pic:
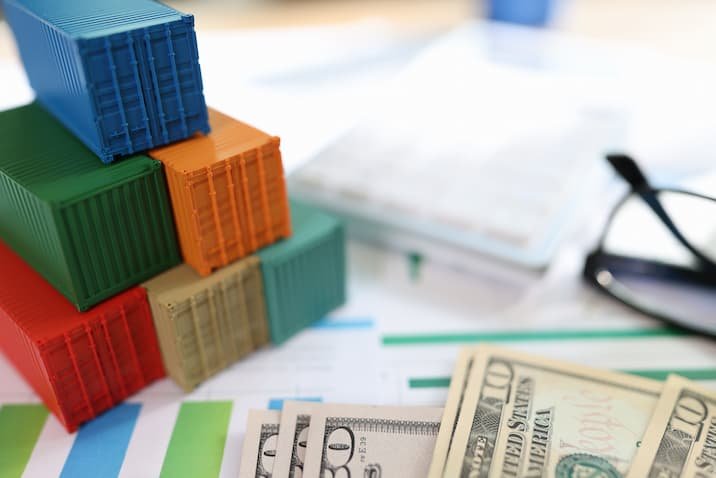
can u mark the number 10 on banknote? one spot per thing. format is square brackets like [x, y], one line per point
[523, 416]
[681, 438]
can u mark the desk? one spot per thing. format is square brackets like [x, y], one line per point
[396, 339]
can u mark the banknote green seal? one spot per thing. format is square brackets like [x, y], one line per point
[580, 465]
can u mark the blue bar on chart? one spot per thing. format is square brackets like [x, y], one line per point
[344, 324]
[101, 444]
[277, 403]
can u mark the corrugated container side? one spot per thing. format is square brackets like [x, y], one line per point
[76, 376]
[89, 229]
[115, 90]
[197, 330]
[211, 330]
[54, 68]
[252, 295]
[266, 200]
[168, 345]
[228, 192]
[79, 364]
[205, 324]
[169, 61]
[129, 331]
[24, 355]
[186, 220]
[146, 86]
[119, 89]
[109, 357]
[304, 279]
[232, 208]
[28, 226]
[234, 317]
[118, 237]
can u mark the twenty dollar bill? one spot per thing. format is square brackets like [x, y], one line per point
[524, 416]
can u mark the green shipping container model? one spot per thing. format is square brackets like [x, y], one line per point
[92, 230]
[304, 275]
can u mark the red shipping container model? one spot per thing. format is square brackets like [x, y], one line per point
[80, 364]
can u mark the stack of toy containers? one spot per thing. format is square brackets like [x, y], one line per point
[229, 198]
[228, 193]
[123, 76]
[206, 323]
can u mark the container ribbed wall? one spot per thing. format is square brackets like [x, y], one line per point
[91, 230]
[304, 276]
[122, 75]
[206, 324]
[228, 192]
[80, 364]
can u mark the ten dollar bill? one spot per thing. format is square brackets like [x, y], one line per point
[456, 394]
[293, 438]
[681, 437]
[367, 441]
[525, 416]
[260, 444]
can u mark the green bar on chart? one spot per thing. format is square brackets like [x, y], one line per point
[654, 374]
[20, 427]
[196, 447]
[429, 382]
[691, 374]
[532, 336]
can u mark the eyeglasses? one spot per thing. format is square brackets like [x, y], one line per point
[657, 254]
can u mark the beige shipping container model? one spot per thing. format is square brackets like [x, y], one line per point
[205, 324]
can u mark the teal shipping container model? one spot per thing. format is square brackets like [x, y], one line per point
[91, 230]
[122, 75]
[305, 275]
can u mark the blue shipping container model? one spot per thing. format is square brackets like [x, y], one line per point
[122, 75]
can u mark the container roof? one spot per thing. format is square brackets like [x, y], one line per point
[92, 18]
[38, 153]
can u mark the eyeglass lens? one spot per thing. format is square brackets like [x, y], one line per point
[636, 232]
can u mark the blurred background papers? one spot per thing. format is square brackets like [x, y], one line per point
[312, 82]
[309, 82]
[507, 87]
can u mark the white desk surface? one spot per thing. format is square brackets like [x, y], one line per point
[397, 336]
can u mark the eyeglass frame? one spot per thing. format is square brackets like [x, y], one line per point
[600, 261]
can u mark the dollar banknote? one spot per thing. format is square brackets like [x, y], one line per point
[371, 441]
[681, 438]
[293, 438]
[525, 416]
[456, 394]
[260, 442]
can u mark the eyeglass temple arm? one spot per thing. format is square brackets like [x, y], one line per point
[627, 168]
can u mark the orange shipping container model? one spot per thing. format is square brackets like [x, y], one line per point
[228, 192]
